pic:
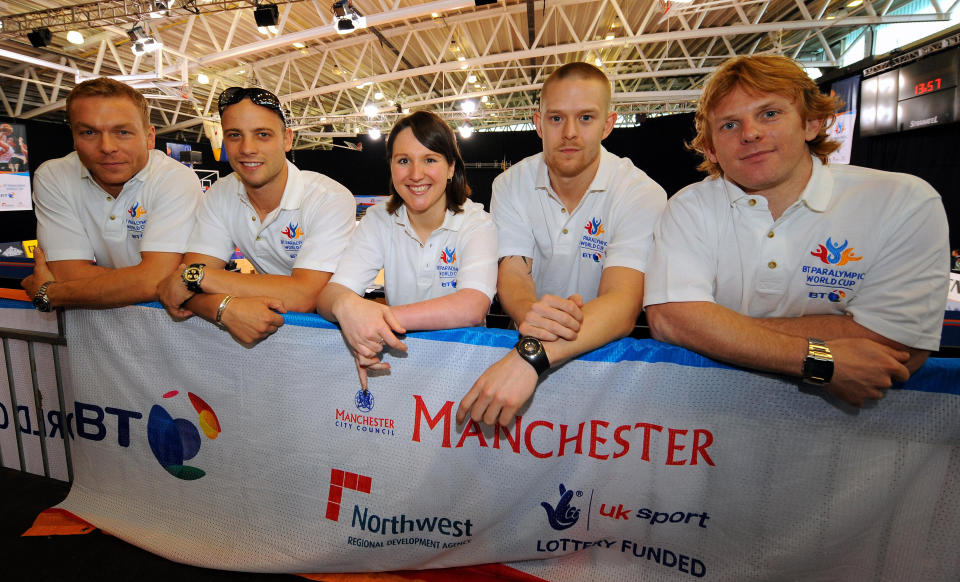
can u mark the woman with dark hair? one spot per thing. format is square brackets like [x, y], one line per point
[437, 249]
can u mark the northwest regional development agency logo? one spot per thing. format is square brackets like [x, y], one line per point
[835, 254]
[594, 227]
[292, 231]
[175, 440]
[136, 211]
[340, 480]
[448, 256]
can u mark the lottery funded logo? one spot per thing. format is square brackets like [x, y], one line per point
[592, 246]
[137, 220]
[447, 268]
[362, 421]
[292, 239]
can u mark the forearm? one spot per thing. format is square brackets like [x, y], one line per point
[465, 308]
[607, 318]
[515, 286]
[331, 297]
[110, 288]
[723, 334]
[205, 305]
[70, 270]
[296, 293]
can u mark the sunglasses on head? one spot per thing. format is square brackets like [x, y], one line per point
[261, 97]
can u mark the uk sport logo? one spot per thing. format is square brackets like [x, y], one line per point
[835, 254]
[177, 440]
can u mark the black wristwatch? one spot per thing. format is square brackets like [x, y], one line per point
[531, 350]
[192, 276]
[818, 365]
[41, 300]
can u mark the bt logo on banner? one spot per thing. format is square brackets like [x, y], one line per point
[174, 441]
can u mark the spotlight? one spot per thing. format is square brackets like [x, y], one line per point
[347, 17]
[40, 37]
[147, 45]
[468, 106]
[161, 8]
[371, 110]
[75, 37]
[137, 33]
[466, 130]
[203, 79]
[374, 133]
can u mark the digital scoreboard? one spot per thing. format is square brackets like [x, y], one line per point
[920, 94]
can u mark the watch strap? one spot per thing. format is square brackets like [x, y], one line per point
[531, 350]
[818, 365]
[41, 301]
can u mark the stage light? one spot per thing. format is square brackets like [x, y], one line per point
[468, 106]
[347, 18]
[266, 16]
[203, 79]
[374, 133]
[371, 110]
[466, 130]
[40, 37]
[74, 37]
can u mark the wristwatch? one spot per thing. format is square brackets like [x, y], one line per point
[531, 350]
[818, 365]
[192, 276]
[41, 300]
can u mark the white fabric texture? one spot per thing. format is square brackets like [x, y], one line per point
[862, 242]
[309, 229]
[78, 220]
[611, 227]
[461, 254]
[739, 476]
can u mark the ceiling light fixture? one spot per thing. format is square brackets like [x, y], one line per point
[374, 133]
[371, 110]
[40, 37]
[203, 79]
[468, 106]
[75, 37]
[142, 42]
[346, 17]
[267, 17]
[466, 130]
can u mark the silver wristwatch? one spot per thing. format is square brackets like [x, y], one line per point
[41, 300]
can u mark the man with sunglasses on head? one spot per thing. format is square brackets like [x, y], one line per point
[292, 225]
[114, 216]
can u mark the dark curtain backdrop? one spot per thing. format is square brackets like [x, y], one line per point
[656, 147]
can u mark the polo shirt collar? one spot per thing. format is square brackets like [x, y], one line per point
[451, 221]
[816, 195]
[600, 183]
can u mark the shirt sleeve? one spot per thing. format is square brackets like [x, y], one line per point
[329, 222]
[905, 295]
[358, 267]
[633, 224]
[683, 262]
[60, 231]
[175, 194]
[514, 233]
[211, 232]
[478, 255]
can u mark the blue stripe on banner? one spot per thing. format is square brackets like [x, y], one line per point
[933, 377]
[14, 304]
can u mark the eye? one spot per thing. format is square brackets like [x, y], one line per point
[556, 118]
[264, 134]
[586, 117]
[728, 126]
[400, 161]
[770, 114]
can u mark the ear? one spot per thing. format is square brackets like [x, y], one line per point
[811, 128]
[608, 124]
[287, 139]
[536, 123]
[712, 155]
[451, 170]
[151, 137]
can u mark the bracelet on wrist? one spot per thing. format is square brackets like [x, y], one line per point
[223, 306]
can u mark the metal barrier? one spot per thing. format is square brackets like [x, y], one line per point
[32, 338]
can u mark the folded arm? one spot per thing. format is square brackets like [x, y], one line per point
[863, 365]
[81, 284]
[506, 385]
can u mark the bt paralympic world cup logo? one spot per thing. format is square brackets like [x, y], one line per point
[835, 254]
[292, 231]
[175, 440]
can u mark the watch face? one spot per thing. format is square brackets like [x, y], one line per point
[192, 274]
[530, 346]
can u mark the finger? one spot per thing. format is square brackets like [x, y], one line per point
[491, 414]
[39, 256]
[901, 374]
[568, 306]
[577, 299]
[467, 403]
[392, 321]
[506, 417]
[560, 316]
[902, 356]
[391, 340]
[362, 373]
[551, 329]
[276, 305]
[276, 319]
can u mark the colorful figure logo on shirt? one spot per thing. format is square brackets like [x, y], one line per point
[174, 441]
[136, 211]
[835, 254]
[448, 256]
[292, 231]
[594, 227]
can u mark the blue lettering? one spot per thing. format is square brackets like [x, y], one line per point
[6, 418]
[123, 424]
[96, 421]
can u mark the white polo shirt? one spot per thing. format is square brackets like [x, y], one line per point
[307, 230]
[611, 227]
[78, 220]
[461, 254]
[862, 242]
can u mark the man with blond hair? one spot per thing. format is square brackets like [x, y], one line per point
[113, 217]
[781, 263]
[575, 225]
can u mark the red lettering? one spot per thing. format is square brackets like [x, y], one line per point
[469, 431]
[673, 446]
[528, 438]
[647, 427]
[595, 439]
[702, 449]
[578, 438]
[514, 442]
[624, 444]
[443, 415]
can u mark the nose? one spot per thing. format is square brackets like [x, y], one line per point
[570, 127]
[751, 131]
[108, 143]
[247, 144]
[416, 170]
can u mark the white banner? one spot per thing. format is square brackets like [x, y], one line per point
[650, 461]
